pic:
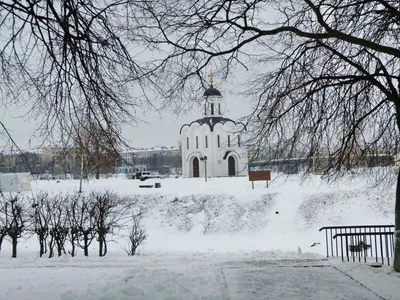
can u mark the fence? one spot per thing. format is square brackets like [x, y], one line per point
[357, 243]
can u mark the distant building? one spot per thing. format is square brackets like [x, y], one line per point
[165, 160]
[41, 162]
[213, 144]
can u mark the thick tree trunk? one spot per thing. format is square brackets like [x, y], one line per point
[396, 262]
[60, 247]
[73, 247]
[14, 240]
[86, 246]
[42, 245]
[1, 240]
[51, 247]
[97, 172]
[100, 246]
[397, 227]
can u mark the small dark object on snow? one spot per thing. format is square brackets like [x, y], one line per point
[277, 212]
[146, 186]
[315, 244]
[58, 181]
[360, 247]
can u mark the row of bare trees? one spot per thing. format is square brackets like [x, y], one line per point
[64, 223]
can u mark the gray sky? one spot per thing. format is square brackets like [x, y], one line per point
[165, 130]
[161, 128]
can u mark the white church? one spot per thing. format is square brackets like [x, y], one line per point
[212, 146]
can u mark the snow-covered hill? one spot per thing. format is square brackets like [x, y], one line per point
[226, 214]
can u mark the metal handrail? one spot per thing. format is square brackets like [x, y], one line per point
[356, 226]
[375, 241]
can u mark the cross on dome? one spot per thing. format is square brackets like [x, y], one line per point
[211, 79]
[212, 91]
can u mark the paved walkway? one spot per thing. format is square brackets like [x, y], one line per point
[172, 280]
[292, 281]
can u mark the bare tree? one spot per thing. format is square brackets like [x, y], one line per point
[325, 77]
[137, 234]
[15, 216]
[65, 57]
[97, 147]
[71, 212]
[84, 223]
[110, 212]
[40, 215]
[3, 228]
[58, 224]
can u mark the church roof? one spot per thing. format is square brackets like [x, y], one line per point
[212, 121]
[212, 91]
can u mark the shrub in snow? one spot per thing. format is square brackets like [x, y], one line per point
[324, 205]
[77, 218]
[49, 222]
[314, 206]
[13, 218]
[3, 231]
[71, 217]
[137, 234]
[255, 216]
[58, 225]
[110, 211]
[218, 213]
[382, 204]
[95, 217]
[81, 222]
[40, 214]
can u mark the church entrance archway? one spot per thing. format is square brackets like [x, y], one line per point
[196, 170]
[231, 166]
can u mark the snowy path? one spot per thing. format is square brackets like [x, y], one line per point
[170, 280]
[294, 282]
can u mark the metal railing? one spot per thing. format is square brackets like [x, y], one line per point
[357, 243]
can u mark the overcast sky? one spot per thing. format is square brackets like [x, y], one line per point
[161, 129]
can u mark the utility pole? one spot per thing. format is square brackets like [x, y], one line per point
[12, 157]
[81, 179]
[204, 158]
[205, 168]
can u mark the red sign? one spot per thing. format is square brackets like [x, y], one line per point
[259, 175]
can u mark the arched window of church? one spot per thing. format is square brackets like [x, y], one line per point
[219, 108]
[197, 142]
[212, 108]
[187, 143]
[206, 141]
[218, 141]
[229, 140]
[238, 140]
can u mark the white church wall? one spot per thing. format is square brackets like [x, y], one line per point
[217, 152]
[238, 153]
[217, 166]
[184, 135]
[198, 149]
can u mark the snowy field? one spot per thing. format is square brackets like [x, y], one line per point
[219, 239]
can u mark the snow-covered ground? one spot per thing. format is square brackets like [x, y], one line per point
[219, 239]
